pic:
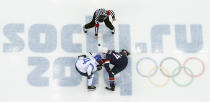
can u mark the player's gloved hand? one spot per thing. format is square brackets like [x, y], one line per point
[99, 67]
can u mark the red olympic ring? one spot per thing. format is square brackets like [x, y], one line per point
[195, 58]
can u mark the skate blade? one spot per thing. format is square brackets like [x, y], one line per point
[91, 90]
[107, 88]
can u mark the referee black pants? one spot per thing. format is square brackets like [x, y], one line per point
[106, 21]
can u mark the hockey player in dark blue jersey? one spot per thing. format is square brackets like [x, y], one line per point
[119, 60]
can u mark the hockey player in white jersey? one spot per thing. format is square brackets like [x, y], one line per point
[87, 66]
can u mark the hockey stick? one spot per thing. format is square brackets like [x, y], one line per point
[95, 71]
[90, 53]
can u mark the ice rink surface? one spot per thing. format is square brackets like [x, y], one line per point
[168, 40]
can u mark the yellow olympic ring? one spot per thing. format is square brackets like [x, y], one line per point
[155, 84]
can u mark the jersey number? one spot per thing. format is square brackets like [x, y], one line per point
[86, 60]
[117, 56]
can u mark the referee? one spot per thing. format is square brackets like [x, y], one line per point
[101, 15]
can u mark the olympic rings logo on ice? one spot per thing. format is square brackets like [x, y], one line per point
[175, 72]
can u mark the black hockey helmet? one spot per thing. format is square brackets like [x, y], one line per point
[101, 18]
[125, 52]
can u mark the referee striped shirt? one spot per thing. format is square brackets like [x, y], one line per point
[104, 13]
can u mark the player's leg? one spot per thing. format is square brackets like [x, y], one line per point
[89, 78]
[90, 81]
[111, 80]
[117, 69]
[89, 25]
[109, 25]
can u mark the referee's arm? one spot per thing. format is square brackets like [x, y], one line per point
[111, 12]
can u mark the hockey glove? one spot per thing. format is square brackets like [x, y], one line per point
[99, 67]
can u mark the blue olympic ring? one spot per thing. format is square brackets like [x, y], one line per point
[147, 58]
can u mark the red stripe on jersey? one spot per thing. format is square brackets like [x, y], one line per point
[111, 79]
[107, 61]
[97, 25]
[107, 12]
